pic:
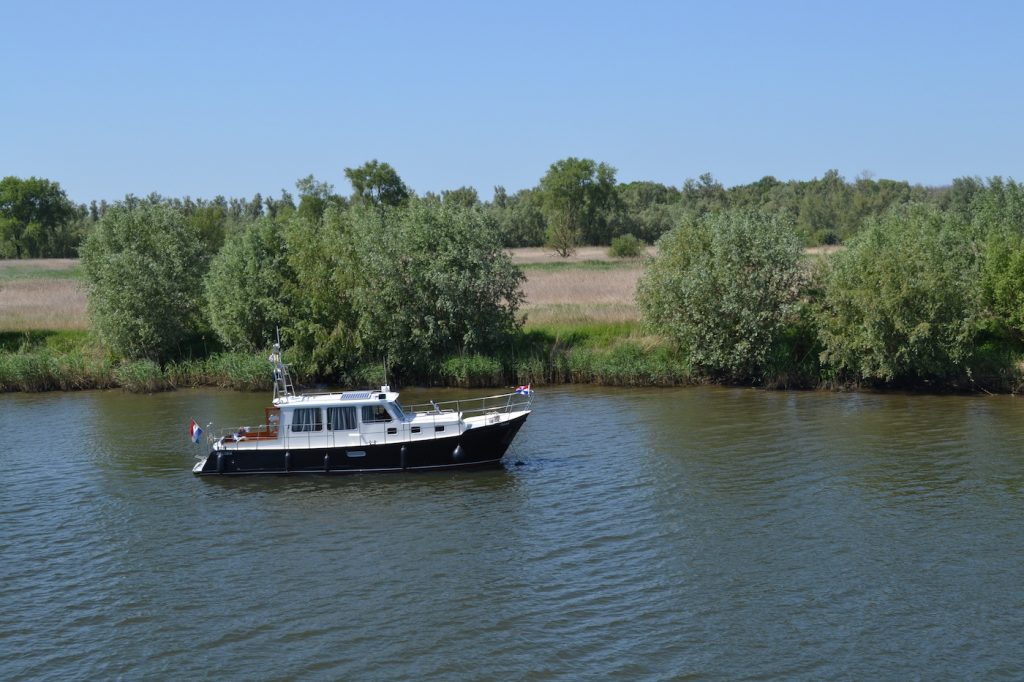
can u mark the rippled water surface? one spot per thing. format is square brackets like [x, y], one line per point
[698, 533]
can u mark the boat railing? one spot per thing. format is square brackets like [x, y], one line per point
[442, 413]
[243, 433]
[492, 404]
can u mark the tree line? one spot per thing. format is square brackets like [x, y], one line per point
[926, 294]
[926, 291]
[576, 202]
[380, 277]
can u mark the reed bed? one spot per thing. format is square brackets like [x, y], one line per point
[45, 369]
[42, 303]
[616, 286]
[576, 295]
[239, 371]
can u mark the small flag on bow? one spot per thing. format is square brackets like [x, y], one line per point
[194, 431]
[523, 390]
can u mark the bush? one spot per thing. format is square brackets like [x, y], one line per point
[144, 264]
[902, 301]
[626, 246]
[247, 288]
[724, 287]
[998, 213]
[322, 324]
[431, 281]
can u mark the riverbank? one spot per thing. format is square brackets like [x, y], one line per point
[600, 353]
[609, 353]
[582, 327]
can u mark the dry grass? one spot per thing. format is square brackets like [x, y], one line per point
[36, 294]
[581, 286]
[823, 250]
[581, 295]
[539, 254]
[39, 303]
[43, 294]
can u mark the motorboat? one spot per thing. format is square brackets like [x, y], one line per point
[365, 431]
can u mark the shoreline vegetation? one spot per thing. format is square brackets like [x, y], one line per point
[820, 284]
[598, 341]
[582, 327]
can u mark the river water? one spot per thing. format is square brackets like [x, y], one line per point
[698, 533]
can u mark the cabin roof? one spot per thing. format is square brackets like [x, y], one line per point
[343, 398]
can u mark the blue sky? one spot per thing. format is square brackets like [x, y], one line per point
[236, 98]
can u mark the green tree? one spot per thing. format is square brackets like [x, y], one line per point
[433, 281]
[645, 209]
[519, 217]
[210, 220]
[37, 220]
[377, 184]
[144, 265]
[997, 211]
[578, 196]
[704, 195]
[314, 197]
[248, 286]
[724, 287]
[958, 197]
[902, 301]
[322, 323]
[280, 209]
[466, 197]
[825, 215]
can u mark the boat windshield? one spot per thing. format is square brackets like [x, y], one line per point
[397, 411]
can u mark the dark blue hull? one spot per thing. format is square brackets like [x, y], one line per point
[479, 447]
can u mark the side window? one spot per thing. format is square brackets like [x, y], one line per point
[341, 418]
[307, 419]
[375, 414]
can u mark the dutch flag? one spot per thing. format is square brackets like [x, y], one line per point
[194, 432]
[523, 390]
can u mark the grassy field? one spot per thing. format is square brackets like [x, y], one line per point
[41, 294]
[588, 287]
[582, 327]
[538, 255]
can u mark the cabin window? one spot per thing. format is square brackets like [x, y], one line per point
[375, 414]
[307, 419]
[341, 418]
[397, 411]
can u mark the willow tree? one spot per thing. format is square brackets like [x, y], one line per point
[577, 197]
[378, 184]
[248, 287]
[903, 300]
[725, 286]
[37, 220]
[144, 264]
[431, 281]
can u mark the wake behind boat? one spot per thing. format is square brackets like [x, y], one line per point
[367, 431]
